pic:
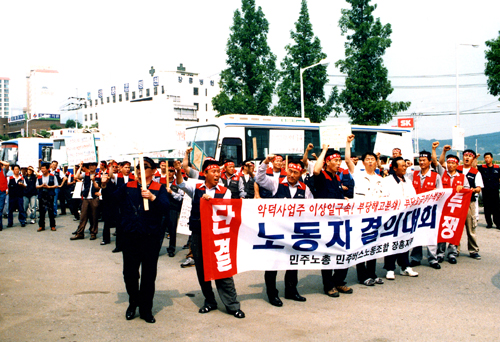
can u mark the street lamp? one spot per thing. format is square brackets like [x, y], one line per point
[456, 77]
[322, 62]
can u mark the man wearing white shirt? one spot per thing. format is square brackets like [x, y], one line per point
[398, 185]
[286, 187]
[367, 186]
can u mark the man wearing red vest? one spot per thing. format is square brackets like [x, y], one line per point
[210, 188]
[451, 178]
[423, 181]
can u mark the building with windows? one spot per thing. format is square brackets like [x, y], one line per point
[4, 97]
[191, 94]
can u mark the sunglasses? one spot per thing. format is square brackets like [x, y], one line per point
[138, 167]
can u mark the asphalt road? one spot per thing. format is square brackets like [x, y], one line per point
[54, 289]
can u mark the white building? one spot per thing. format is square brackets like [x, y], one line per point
[43, 93]
[4, 97]
[191, 95]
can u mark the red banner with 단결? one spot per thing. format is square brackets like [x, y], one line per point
[282, 234]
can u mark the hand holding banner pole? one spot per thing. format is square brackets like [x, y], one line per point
[143, 181]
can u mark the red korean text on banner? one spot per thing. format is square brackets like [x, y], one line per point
[453, 217]
[220, 224]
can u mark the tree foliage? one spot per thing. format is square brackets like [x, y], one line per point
[247, 85]
[364, 98]
[54, 126]
[305, 51]
[71, 124]
[492, 70]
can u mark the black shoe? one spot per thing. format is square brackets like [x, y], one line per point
[440, 259]
[185, 247]
[414, 263]
[276, 301]
[207, 308]
[475, 256]
[435, 266]
[75, 232]
[452, 261]
[116, 250]
[104, 243]
[489, 226]
[238, 313]
[76, 219]
[296, 297]
[77, 237]
[23, 224]
[149, 318]
[130, 313]
[171, 254]
[93, 237]
[9, 226]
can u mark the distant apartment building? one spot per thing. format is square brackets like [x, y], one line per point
[191, 94]
[4, 97]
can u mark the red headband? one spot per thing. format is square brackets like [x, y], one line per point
[470, 153]
[295, 167]
[396, 149]
[211, 166]
[278, 158]
[229, 164]
[171, 168]
[449, 160]
[335, 155]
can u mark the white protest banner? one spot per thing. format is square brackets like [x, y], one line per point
[335, 136]
[183, 223]
[285, 141]
[145, 126]
[283, 234]
[385, 143]
[458, 139]
[79, 148]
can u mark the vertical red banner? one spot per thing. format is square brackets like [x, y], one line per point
[453, 217]
[220, 224]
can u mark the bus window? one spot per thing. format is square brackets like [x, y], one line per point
[205, 137]
[259, 136]
[232, 149]
[9, 153]
[58, 144]
[312, 137]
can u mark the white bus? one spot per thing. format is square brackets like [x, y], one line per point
[241, 137]
[27, 151]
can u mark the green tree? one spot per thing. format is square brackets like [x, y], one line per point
[247, 85]
[305, 51]
[54, 126]
[71, 124]
[492, 70]
[364, 98]
[44, 133]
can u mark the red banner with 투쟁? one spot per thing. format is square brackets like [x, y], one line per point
[282, 234]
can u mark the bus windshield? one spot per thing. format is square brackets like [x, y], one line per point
[205, 137]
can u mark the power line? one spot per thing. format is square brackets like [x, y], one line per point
[425, 76]
[477, 85]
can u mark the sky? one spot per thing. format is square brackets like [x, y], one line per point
[98, 42]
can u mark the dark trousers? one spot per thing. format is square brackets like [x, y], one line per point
[89, 212]
[291, 281]
[172, 219]
[401, 258]
[366, 270]
[46, 205]
[16, 203]
[141, 252]
[491, 201]
[225, 287]
[332, 278]
[76, 204]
